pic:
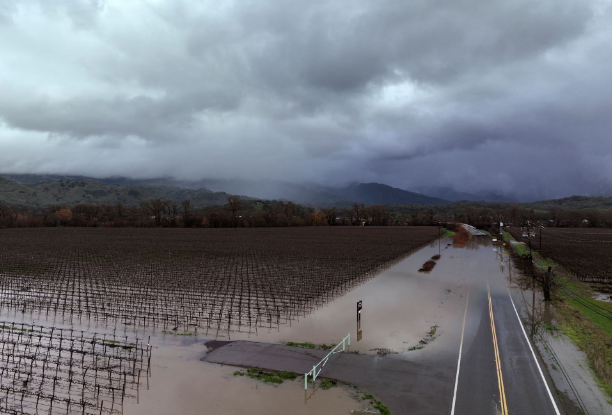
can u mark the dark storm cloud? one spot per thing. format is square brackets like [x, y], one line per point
[411, 93]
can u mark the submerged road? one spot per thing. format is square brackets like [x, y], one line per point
[482, 364]
[498, 371]
[405, 387]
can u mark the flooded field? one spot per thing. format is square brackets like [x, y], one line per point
[400, 307]
[102, 298]
[406, 314]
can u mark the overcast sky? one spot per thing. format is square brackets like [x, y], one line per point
[507, 96]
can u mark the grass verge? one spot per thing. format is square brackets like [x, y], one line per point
[274, 377]
[591, 334]
[447, 233]
[382, 408]
[308, 345]
[267, 376]
[588, 330]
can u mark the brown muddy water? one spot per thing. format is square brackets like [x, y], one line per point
[181, 384]
[400, 307]
[406, 314]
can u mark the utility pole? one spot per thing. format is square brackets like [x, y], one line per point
[532, 282]
[509, 267]
[541, 230]
[439, 235]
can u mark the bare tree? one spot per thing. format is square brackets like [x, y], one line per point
[173, 210]
[547, 281]
[234, 204]
[357, 213]
[156, 207]
[6, 216]
[380, 214]
[187, 214]
[119, 210]
[331, 214]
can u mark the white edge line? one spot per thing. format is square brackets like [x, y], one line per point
[534, 356]
[460, 348]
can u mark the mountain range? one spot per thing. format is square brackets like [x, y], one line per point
[46, 190]
[72, 191]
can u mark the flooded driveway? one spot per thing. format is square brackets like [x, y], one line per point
[181, 384]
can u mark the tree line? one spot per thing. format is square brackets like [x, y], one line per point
[239, 212]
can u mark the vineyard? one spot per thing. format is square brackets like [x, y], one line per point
[54, 370]
[583, 251]
[208, 282]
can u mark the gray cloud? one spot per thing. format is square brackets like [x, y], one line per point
[508, 96]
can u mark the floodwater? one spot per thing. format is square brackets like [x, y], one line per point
[603, 297]
[182, 384]
[412, 315]
[400, 307]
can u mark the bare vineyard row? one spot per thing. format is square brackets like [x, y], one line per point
[214, 280]
[54, 370]
[585, 252]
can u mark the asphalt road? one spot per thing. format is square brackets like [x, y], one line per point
[491, 370]
[499, 372]
[405, 387]
[522, 388]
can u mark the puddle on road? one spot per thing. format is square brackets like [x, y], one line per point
[181, 384]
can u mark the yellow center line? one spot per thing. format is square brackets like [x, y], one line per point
[500, 378]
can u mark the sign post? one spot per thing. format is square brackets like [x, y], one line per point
[359, 332]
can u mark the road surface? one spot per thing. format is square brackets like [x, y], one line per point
[500, 373]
